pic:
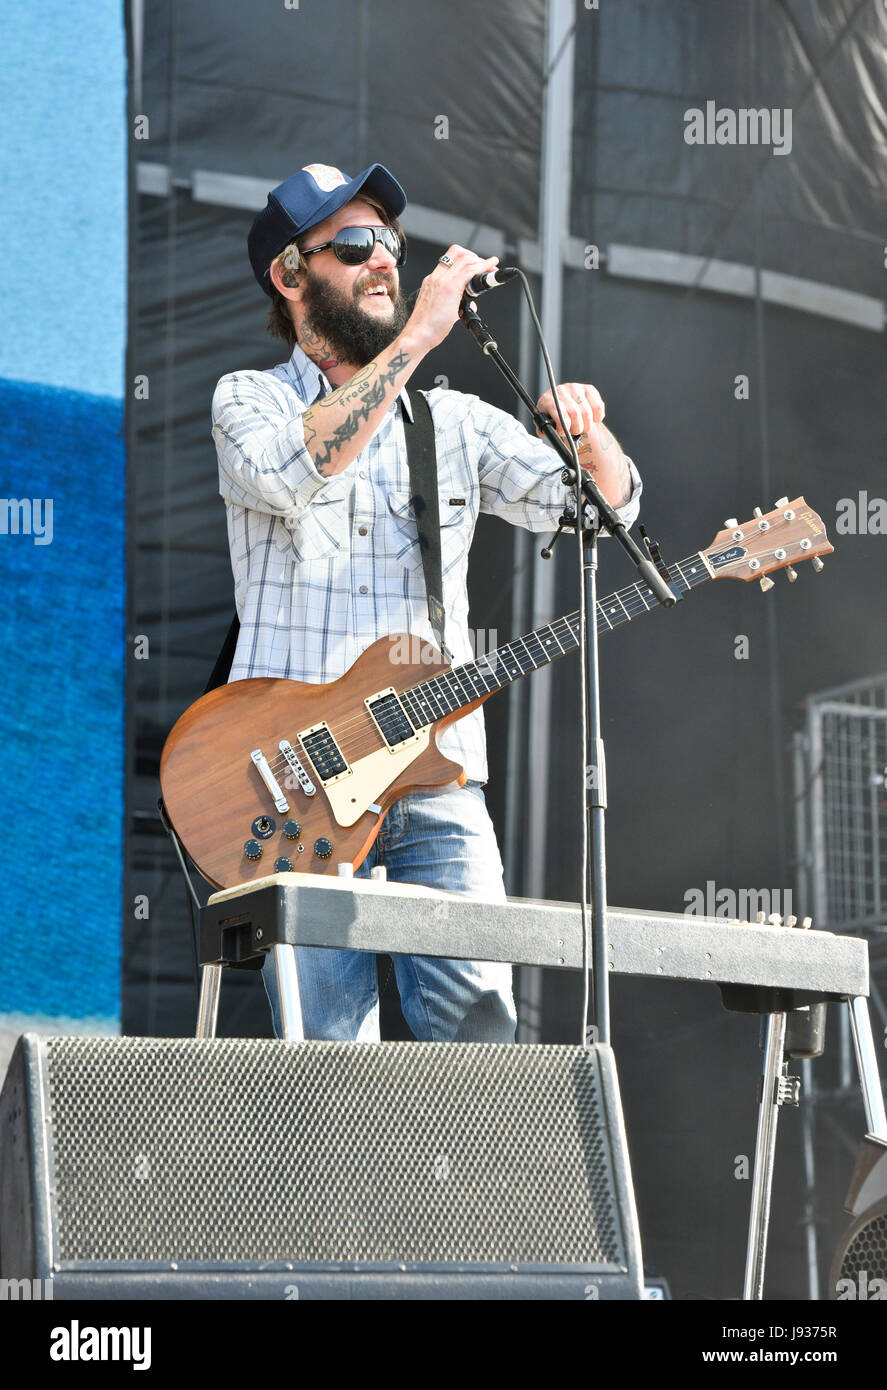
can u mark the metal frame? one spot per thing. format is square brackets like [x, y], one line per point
[653, 264]
[287, 975]
[838, 836]
[765, 1154]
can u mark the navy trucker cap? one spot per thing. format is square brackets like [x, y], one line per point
[309, 197]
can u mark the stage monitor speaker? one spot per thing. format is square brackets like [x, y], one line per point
[859, 1269]
[241, 1168]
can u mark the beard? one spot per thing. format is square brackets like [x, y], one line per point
[336, 323]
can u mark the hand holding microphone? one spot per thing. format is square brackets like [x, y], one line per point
[489, 280]
[440, 300]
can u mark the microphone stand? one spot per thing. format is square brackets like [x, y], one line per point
[602, 514]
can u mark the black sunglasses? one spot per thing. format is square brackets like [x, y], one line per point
[354, 245]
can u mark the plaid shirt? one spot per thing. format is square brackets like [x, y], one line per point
[325, 566]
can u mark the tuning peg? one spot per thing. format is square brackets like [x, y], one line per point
[782, 502]
[731, 523]
[791, 921]
[766, 584]
[807, 923]
[758, 512]
[791, 574]
[762, 918]
[817, 564]
[775, 919]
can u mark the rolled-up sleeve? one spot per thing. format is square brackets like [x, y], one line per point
[520, 474]
[260, 443]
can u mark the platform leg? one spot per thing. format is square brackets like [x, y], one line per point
[208, 1008]
[290, 1002]
[765, 1150]
[867, 1063]
[810, 1212]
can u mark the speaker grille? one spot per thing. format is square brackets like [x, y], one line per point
[866, 1250]
[187, 1150]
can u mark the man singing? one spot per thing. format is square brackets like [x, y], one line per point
[325, 552]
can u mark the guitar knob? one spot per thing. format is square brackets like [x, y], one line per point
[283, 865]
[252, 849]
[817, 564]
[766, 584]
[323, 847]
[791, 575]
[292, 829]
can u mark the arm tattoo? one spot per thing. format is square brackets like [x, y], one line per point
[351, 387]
[368, 395]
[395, 367]
[606, 441]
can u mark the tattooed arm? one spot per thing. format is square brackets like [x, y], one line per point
[276, 457]
[340, 425]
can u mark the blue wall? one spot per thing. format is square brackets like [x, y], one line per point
[63, 174]
[62, 622]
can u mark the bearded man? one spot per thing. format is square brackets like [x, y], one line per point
[325, 550]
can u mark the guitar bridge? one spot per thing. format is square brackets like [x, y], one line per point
[296, 767]
[390, 718]
[264, 770]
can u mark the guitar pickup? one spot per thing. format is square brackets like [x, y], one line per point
[324, 753]
[389, 717]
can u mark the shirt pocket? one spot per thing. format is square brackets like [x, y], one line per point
[316, 533]
[458, 514]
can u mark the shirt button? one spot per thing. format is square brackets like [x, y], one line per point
[364, 589]
[362, 531]
[362, 473]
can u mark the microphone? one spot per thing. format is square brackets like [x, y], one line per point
[490, 280]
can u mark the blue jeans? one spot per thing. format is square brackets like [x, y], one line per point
[442, 840]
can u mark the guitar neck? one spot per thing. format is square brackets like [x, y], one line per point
[462, 685]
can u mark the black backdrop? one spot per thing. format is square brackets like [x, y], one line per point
[697, 740]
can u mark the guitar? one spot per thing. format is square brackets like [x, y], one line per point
[266, 775]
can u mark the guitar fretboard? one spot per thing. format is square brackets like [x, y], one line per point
[462, 685]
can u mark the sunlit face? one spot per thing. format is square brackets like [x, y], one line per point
[374, 284]
[355, 310]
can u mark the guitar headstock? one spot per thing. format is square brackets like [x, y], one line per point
[775, 540]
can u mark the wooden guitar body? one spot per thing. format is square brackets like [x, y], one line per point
[219, 803]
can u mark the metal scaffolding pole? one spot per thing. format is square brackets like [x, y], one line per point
[554, 212]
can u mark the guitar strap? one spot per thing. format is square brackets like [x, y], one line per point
[422, 463]
[225, 659]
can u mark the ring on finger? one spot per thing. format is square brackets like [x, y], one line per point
[445, 260]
